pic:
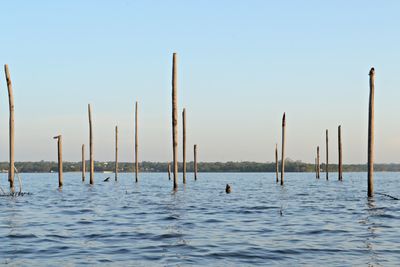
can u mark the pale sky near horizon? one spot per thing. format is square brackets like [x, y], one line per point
[241, 65]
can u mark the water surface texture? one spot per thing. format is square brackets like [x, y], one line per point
[306, 222]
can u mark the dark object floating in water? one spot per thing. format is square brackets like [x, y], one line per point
[107, 179]
[228, 188]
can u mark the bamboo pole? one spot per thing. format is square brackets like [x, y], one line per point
[116, 153]
[184, 144]
[340, 167]
[318, 165]
[371, 133]
[11, 128]
[276, 163]
[175, 119]
[60, 163]
[136, 143]
[283, 147]
[195, 161]
[91, 164]
[327, 157]
[169, 171]
[83, 163]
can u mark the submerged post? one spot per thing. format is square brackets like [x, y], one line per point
[83, 163]
[169, 171]
[327, 158]
[371, 133]
[195, 162]
[184, 144]
[11, 128]
[340, 168]
[91, 163]
[318, 165]
[175, 119]
[136, 144]
[283, 147]
[60, 166]
[116, 153]
[276, 163]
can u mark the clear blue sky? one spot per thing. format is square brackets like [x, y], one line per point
[241, 65]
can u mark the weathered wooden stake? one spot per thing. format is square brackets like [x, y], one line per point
[169, 171]
[318, 165]
[283, 147]
[184, 144]
[340, 168]
[371, 133]
[175, 119]
[327, 158]
[195, 161]
[83, 163]
[136, 144]
[315, 167]
[60, 164]
[276, 163]
[11, 128]
[116, 153]
[91, 163]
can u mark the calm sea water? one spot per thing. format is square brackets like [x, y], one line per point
[307, 222]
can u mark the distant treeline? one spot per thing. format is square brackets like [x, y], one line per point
[290, 166]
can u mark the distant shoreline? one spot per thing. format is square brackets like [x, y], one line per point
[256, 167]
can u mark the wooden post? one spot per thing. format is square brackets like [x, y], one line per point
[136, 144]
[11, 128]
[91, 164]
[60, 165]
[116, 153]
[315, 167]
[327, 158]
[175, 119]
[195, 161]
[169, 171]
[276, 163]
[283, 147]
[318, 165]
[340, 168]
[371, 133]
[83, 163]
[184, 144]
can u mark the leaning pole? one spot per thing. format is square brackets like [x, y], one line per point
[371, 133]
[11, 128]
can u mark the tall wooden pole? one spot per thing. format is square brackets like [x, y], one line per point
[318, 165]
[91, 164]
[184, 144]
[340, 168]
[11, 128]
[175, 119]
[276, 163]
[116, 153]
[83, 163]
[136, 144]
[371, 133]
[327, 157]
[283, 147]
[169, 171]
[60, 164]
[195, 161]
